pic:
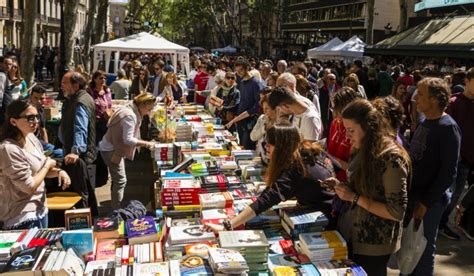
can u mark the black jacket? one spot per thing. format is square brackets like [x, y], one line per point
[67, 124]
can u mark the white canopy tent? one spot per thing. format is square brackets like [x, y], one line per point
[313, 53]
[351, 49]
[141, 43]
[226, 50]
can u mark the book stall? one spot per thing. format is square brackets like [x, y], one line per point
[202, 176]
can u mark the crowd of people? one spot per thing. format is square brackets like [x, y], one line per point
[372, 146]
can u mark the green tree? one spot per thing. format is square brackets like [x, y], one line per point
[262, 14]
[28, 42]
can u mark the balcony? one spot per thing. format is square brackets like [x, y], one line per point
[17, 14]
[54, 21]
[4, 12]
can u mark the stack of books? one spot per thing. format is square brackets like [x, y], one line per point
[214, 183]
[243, 154]
[163, 154]
[216, 200]
[252, 244]
[180, 192]
[184, 132]
[182, 236]
[339, 268]
[227, 261]
[195, 265]
[141, 230]
[297, 220]
[323, 246]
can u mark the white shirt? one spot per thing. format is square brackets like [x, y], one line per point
[309, 124]
[128, 125]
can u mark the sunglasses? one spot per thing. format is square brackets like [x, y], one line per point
[230, 78]
[31, 118]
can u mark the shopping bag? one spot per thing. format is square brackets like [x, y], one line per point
[412, 247]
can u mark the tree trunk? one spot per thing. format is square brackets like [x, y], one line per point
[369, 36]
[91, 13]
[70, 20]
[403, 15]
[101, 21]
[28, 42]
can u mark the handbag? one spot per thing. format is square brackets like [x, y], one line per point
[413, 245]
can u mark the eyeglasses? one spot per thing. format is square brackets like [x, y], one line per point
[31, 118]
[230, 78]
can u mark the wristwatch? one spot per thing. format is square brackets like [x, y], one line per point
[227, 225]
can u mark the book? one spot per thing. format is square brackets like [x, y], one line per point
[106, 228]
[189, 234]
[194, 265]
[97, 265]
[300, 218]
[244, 239]
[7, 240]
[78, 218]
[24, 260]
[216, 200]
[152, 269]
[322, 240]
[80, 240]
[200, 248]
[185, 222]
[141, 230]
[227, 261]
[305, 269]
[105, 250]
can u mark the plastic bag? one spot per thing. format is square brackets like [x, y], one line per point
[412, 247]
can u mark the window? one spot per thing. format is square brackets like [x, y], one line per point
[117, 20]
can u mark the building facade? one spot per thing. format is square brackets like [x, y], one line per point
[48, 21]
[308, 24]
[117, 13]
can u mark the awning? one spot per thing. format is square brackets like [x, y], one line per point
[447, 37]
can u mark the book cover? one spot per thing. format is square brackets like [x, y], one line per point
[200, 248]
[78, 218]
[227, 261]
[185, 222]
[303, 217]
[243, 239]
[80, 240]
[140, 227]
[7, 240]
[24, 260]
[188, 234]
[322, 240]
[217, 213]
[216, 200]
[104, 224]
[152, 269]
[105, 250]
[194, 265]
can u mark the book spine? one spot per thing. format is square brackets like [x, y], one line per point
[125, 254]
[181, 190]
[118, 256]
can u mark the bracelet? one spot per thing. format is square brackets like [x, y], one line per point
[354, 201]
[227, 225]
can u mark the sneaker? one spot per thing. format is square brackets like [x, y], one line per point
[450, 234]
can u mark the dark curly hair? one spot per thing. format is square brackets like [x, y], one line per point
[392, 110]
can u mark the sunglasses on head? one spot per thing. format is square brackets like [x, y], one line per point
[31, 118]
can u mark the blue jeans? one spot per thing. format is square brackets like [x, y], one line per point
[425, 266]
[244, 135]
[456, 189]
[40, 223]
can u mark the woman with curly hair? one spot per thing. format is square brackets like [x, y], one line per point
[392, 111]
[375, 194]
